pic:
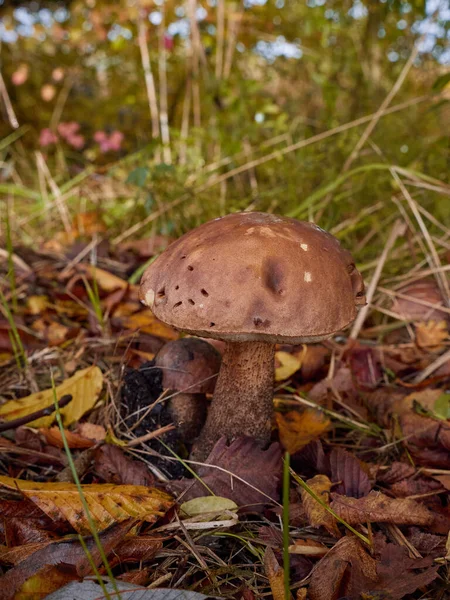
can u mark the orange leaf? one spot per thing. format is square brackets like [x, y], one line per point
[146, 322]
[53, 437]
[317, 515]
[298, 429]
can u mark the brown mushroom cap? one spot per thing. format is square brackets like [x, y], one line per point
[255, 276]
[189, 365]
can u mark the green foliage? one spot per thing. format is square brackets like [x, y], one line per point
[256, 117]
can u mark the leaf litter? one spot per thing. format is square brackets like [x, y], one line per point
[371, 444]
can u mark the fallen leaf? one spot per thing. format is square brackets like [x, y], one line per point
[36, 305]
[47, 580]
[308, 548]
[422, 290]
[114, 466]
[275, 574]
[91, 590]
[53, 436]
[91, 431]
[313, 361]
[297, 429]
[317, 515]
[365, 367]
[286, 364]
[207, 505]
[343, 572]
[66, 551]
[84, 387]
[261, 469]
[396, 472]
[347, 470]
[137, 548]
[394, 560]
[379, 508]
[146, 322]
[107, 503]
[432, 335]
[106, 281]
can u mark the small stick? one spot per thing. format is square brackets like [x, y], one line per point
[44, 412]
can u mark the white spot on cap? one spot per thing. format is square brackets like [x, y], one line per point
[304, 247]
[201, 305]
[307, 277]
[150, 298]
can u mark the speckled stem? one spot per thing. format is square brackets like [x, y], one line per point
[243, 398]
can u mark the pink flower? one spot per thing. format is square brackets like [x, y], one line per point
[100, 136]
[66, 130]
[76, 141]
[115, 141]
[47, 138]
[112, 143]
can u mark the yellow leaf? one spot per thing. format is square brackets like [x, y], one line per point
[84, 387]
[286, 365]
[298, 429]
[275, 574]
[146, 322]
[36, 305]
[108, 503]
[317, 515]
[432, 335]
[209, 506]
[105, 280]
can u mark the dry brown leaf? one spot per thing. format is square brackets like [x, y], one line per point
[379, 508]
[275, 574]
[84, 387]
[343, 572]
[113, 466]
[347, 470]
[108, 504]
[286, 364]
[424, 290]
[317, 515]
[243, 457]
[432, 335]
[146, 322]
[67, 551]
[297, 429]
[92, 431]
[308, 548]
[54, 437]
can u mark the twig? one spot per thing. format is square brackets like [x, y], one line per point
[150, 436]
[59, 199]
[433, 367]
[220, 37]
[162, 68]
[148, 76]
[397, 230]
[43, 412]
[7, 102]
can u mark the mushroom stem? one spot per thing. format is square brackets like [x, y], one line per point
[243, 399]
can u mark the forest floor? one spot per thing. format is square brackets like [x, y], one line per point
[351, 499]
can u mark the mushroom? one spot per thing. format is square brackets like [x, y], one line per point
[189, 367]
[252, 280]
